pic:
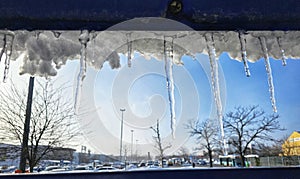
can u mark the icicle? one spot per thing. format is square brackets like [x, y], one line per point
[283, 57]
[93, 36]
[83, 38]
[269, 72]
[8, 53]
[168, 57]
[56, 34]
[215, 83]
[129, 49]
[214, 73]
[244, 53]
[37, 34]
[3, 47]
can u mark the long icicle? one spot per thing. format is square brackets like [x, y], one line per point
[8, 52]
[215, 84]
[283, 57]
[129, 49]
[3, 47]
[269, 72]
[83, 38]
[168, 57]
[244, 53]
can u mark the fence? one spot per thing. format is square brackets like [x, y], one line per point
[280, 161]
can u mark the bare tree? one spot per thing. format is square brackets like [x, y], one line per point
[52, 123]
[249, 125]
[207, 134]
[159, 146]
[272, 149]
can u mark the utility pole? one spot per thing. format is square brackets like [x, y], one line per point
[121, 139]
[24, 150]
[132, 145]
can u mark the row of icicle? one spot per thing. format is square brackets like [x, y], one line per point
[214, 74]
[168, 58]
[8, 38]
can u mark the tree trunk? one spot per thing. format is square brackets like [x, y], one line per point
[210, 158]
[242, 160]
[31, 166]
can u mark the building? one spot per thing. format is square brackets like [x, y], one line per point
[291, 147]
[10, 154]
[60, 153]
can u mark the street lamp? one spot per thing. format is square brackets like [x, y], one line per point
[121, 140]
[131, 144]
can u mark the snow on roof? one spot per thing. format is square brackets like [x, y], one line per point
[44, 52]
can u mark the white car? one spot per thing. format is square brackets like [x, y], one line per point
[107, 169]
[53, 169]
[83, 167]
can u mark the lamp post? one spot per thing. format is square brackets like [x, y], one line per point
[121, 139]
[132, 144]
[26, 130]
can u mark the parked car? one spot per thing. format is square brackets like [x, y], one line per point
[202, 162]
[142, 164]
[118, 165]
[54, 169]
[83, 167]
[107, 169]
[9, 169]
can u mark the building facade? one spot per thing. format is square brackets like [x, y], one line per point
[291, 147]
[10, 154]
